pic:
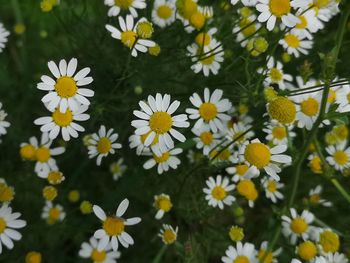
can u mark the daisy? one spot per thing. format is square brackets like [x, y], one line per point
[329, 242]
[211, 111]
[54, 177]
[168, 234]
[205, 38]
[89, 250]
[3, 124]
[218, 192]
[157, 121]
[205, 139]
[315, 164]
[53, 213]
[339, 156]
[117, 169]
[64, 91]
[28, 150]
[166, 160]
[3, 36]
[271, 10]
[116, 6]
[297, 226]
[315, 197]
[63, 122]
[268, 256]
[240, 172]
[277, 133]
[307, 250]
[138, 142]
[259, 156]
[241, 253]
[103, 143]
[325, 10]
[271, 189]
[8, 223]
[128, 35]
[7, 192]
[239, 133]
[113, 227]
[245, 29]
[163, 204]
[309, 24]
[163, 12]
[247, 189]
[294, 43]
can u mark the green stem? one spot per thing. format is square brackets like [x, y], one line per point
[341, 189]
[159, 255]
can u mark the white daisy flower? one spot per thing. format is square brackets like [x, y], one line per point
[128, 35]
[89, 250]
[324, 10]
[245, 29]
[28, 150]
[168, 234]
[166, 160]
[339, 156]
[3, 36]
[211, 111]
[241, 253]
[269, 256]
[64, 91]
[138, 142]
[271, 188]
[218, 192]
[116, 6]
[156, 120]
[3, 124]
[294, 43]
[259, 156]
[117, 169]
[315, 197]
[309, 24]
[297, 226]
[271, 10]
[163, 12]
[332, 258]
[113, 227]
[205, 139]
[53, 213]
[63, 122]
[103, 143]
[277, 133]
[240, 172]
[236, 133]
[163, 204]
[8, 223]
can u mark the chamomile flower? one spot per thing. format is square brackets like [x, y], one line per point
[113, 227]
[7, 192]
[138, 142]
[168, 234]
[339, 156]
[53, 213]
[272, 189]
[63, 123]
[243, 252]
[163, 162]
[297, 226]
[205, 139]
[218, 192]
[89, 250]
[64, 90]
[329, 241]
[3, 36]
[239, 133]
[307, 250]
[324, 9]
[128, 35]
[211, 111]
[117, 169]
[240, 172]
[163, 204]
[163, 13]
[27, 150]
[308, 24]
[269, 256]
[116, 6]
[315, 163]
[294, 43]
[277, 133]
[245, 29]
[247, 189]
[103, 143]
[315, 197]
[8, 223]
[258, 156]
[157, 121]
[54, 177]
[3, 124]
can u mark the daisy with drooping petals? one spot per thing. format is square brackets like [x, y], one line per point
[211, 111]
[315, 197]
[89, 250]
[205, 139]
[271, 189]
[124, 5]
[163, 204]
[113, 227]
[3, 124]
[117, 169]
[163, 13]
[294, 43]
[218, 192]
[259, 156]
[339, 156]
[269, 256]
[166, 160]
[156, 121]
[277, 133]
[128, 35]
[65, 92]
[168, 234]
[3, 36]
[53, 213]
[103, 143]
[297, 226]
[63, 122]
[8, 223]
[241, 253]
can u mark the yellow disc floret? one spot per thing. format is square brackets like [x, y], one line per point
[282, 110]
[257, 154]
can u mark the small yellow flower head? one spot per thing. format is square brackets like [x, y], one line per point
[203, 39]
[286, 57]
[73, 196]
[315, 165]
[27, 152]
[33, 257]
[86, 207]
[162, 202]
[282, 109]
[247, 189]
[186, 8]
[307, 250]
[341, 132]
[270, 94]
[330, 138]
[55, 177]
[19, 28]
[49, 193]
[145, 29]
[46, 6]
[6, 192]
[329, 241]
[197, 20]
[154, 51]
[236, 233]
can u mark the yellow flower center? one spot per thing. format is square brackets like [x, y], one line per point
[257, 154]
[219, 193]
[113, 226]
[27, 152]
[187, 8]
[223, 156]
[315, 199]
[247, 189]
[332, 96]
[303, 22]
[144, 137]
[163, 203]
[341, 132]
[268, 256]
[49, 193]
[124, 4]
[316, 165]
[203, 39]
[292, 41]
[164, 12]
[271, 186]
[206, 138]
[280, 8]
[208, 111]
[62, 119]
[307, 250]
[207, 59]
[160, 122]
[163, 158]
[6, 193]
[104, 145]
[310, 107]
[282, 109]
[33, 257]
[169, 236]
[279, 132]
[298, 225]
[197, 20]
[54, 214]
[42, 154]
[249, 28]
[236, 233]
[275, 75]
[144, 29]
[86, 207]
[128, 38]
[241, 169]
[98, 256]
[3, 225]
[329, 241]
[66, 87]
[241, 259]
[54, 177]
[340, 157]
